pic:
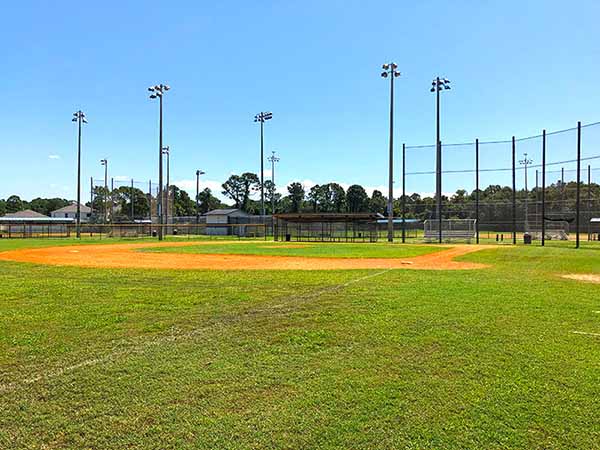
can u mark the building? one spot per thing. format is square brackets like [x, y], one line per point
[70, 212]
[28, 223]
[221, 222]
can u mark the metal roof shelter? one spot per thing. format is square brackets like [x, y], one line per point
[326, 227]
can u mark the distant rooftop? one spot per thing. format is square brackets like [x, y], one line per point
[72, 208]
[223, 212]
[25, 214]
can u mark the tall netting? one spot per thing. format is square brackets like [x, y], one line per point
[120, 201]
[527, 187]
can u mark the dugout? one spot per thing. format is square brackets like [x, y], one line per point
[34, 227]
[594, 229]
[326, 227]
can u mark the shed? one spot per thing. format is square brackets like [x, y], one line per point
[220, 222]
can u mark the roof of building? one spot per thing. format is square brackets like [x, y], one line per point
[224, 212]
[329, 217]
[72, 208]
[25, 214]
[595, 220]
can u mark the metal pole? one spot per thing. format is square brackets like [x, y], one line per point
[438, 160]
[543, 188]
[160, 170]
[150, 197]
[79, 177]
[403, 193]
[514, 191]
[91, 195]
[273, 183]
[112, 203]
[168, 188]
[197, 197]
[537, 190]
[390, 224]
[132, 202]
[262, 180]
[105, 190]
[589, 201]
[577, 206]
[477, 190]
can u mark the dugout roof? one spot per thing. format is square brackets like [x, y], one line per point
[328, 217]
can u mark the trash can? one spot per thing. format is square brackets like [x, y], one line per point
[527, 239]
[154, 234]
[288, 237]
[175, 231]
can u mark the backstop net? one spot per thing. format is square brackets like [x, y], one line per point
[451, 230]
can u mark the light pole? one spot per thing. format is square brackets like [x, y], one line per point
[198, 173]
[79, 117]
[390, 70]
[262, 117]
[436, 86]
[526, 162]
[273, 159]
[167, 151]
[157, 92]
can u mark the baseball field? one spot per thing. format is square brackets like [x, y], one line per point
[257, 344]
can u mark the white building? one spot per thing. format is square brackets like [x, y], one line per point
[220, 221]
[70, 212]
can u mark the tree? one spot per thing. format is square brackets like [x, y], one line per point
[2, 206]
[296, 196]
[315, 197]
[357, 199]
[122, 198]
[377, 203]
[271, 195]
[338, 197]
[14, 204]
[207, 201]
[239, 188]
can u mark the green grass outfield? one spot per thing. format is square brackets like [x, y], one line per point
[486, 359]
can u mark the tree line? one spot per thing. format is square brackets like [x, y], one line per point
[495, 201]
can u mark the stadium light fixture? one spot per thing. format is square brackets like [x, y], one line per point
[437, 85]
[389, 70]
[79, 117]
[261, 118]
[158, 92]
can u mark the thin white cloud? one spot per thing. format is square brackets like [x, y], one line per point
[53, 156]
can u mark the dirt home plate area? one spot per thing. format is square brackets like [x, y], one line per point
[127, 256]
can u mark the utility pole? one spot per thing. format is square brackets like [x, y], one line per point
[390, 70]
[526, 162]
[436, 86]
[158, 91]
[104, 162]
[273, 159]
[79, 117]
[262, 117]
[167, 151]
[198, 173]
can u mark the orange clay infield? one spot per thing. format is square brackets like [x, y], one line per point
[125, 256]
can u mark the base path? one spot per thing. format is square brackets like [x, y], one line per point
[126, 256]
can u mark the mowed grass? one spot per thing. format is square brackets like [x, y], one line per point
[312, 250]
[339, 359]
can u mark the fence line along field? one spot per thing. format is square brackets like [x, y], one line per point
[502, 355]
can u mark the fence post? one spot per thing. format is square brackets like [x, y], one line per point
[477, 190]
[578, 209]
[543, 188]
[514, 191]
[403, 193]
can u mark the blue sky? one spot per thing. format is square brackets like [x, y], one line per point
[516, 67]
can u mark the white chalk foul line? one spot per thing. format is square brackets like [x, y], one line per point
[175, 335]
[586, 333]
